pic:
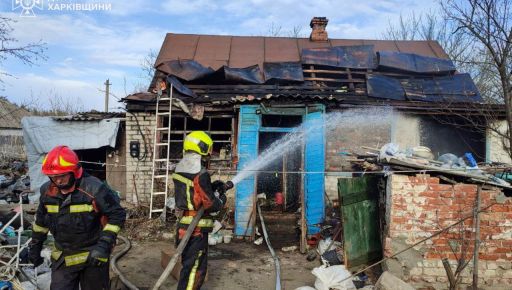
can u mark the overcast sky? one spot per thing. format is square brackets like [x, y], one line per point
[111, 40]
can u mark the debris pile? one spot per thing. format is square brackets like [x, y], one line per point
[463, 168]
[15, 182]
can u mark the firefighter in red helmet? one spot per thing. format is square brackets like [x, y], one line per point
[83, 215]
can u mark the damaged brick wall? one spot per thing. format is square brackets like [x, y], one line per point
[418, 206]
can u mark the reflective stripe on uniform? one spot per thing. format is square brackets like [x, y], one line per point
[189, 183]
[39, 229]
[203, 223]
[56, 254]
[192, 276]
[112, 228]
[76, 208]
[52, 208]
[183, 179]
[76, 259]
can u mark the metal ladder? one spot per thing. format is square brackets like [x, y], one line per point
[161, 160]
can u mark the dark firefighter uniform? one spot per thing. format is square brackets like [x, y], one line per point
[193, 190]
[84, 223]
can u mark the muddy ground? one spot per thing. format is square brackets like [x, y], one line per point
[238, 265]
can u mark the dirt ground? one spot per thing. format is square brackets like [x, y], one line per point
[238, 265]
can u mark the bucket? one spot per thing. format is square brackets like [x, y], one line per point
[227, 239]
[279, 198]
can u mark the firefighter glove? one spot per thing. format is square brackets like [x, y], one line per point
[219, 186]
[34, 255]
[100, 253]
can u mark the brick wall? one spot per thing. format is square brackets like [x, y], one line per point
[138, 173]
[418, 206]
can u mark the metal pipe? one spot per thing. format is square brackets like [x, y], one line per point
[274, 256]
[116, 257]
[477, 237]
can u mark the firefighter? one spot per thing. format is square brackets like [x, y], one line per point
[193, 190]
[83, 215]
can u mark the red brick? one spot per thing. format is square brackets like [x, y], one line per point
[489, 257]
[446, 194]
[500, 208]
[429, 193]
[431, 255]
[465, 187]
[440, 187]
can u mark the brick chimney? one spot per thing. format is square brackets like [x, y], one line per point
[318, 32]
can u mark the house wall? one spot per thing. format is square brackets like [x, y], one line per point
[418, 206]
[138, 172]
[405, 130]
[495, 150]
[116, 164]
[11, 143]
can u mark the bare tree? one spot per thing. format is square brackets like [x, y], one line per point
[56, 105]
[489, 24]
[28, 53]
[148, 65]
[276, 30]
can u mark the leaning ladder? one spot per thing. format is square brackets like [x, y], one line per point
[161, 159]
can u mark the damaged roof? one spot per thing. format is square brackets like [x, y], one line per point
[90, 116]
[216, 51]
[218, 69]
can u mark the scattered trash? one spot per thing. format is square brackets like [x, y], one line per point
[258, 241]
[43, 282]
[331, 258]
[332, 277]
[360, 280]
[289, 249]
[216, 226]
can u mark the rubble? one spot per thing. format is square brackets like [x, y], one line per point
[388, 281]
[14, 182]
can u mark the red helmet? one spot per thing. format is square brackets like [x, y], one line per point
[61, 160]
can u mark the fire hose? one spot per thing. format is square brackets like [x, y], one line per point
[116, 257]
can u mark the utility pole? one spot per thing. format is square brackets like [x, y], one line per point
[107, 93]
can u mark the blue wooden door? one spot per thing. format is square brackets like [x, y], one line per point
[315, 165]
[248, 126]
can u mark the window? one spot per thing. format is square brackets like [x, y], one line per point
[220, 129]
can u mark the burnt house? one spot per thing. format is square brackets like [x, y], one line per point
[247, 92]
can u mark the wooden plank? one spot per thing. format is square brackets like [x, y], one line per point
[326, 71]
[335, 80]
[351, 84]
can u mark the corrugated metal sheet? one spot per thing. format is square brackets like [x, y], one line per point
[359, 57]
[244, 51]
[249, 124]
[213, 51]
[314, 162]
[281, 50]
[411, 62]
[247, 51]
